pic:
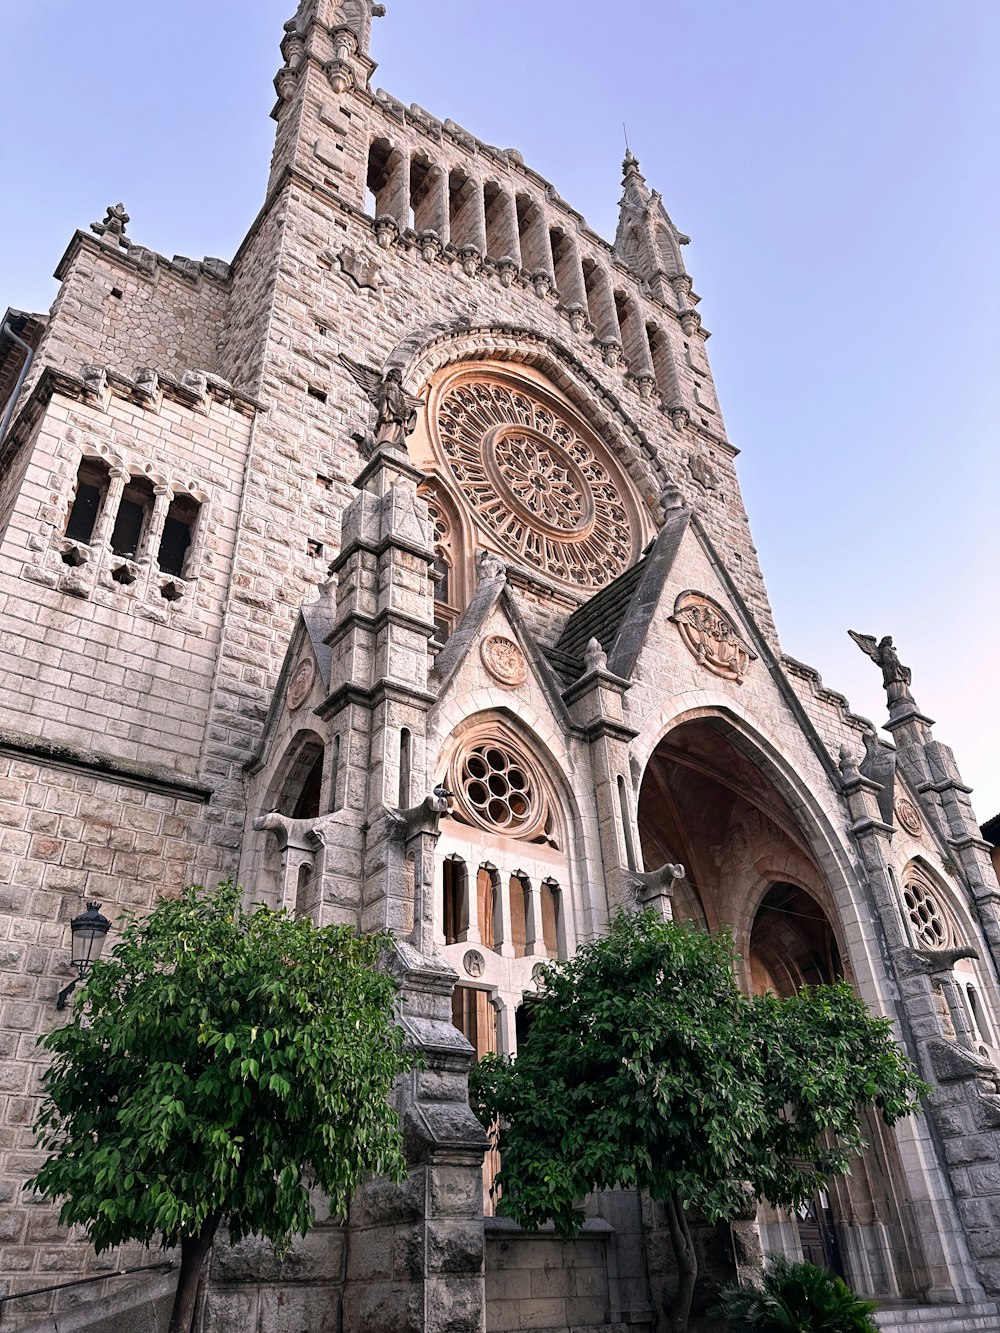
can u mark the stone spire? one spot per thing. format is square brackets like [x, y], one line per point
[647, 240]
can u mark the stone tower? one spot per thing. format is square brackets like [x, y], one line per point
[399, 566]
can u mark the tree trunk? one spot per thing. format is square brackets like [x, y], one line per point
[194, 1251]
[687, 1264]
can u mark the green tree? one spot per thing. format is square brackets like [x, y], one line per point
[645, 1066]
[219, 1065]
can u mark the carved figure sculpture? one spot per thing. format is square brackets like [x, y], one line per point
[895, 677]
[395, 409]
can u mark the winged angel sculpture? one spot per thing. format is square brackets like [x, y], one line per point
[895, 677]
[395, 409]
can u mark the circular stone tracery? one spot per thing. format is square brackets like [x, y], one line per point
[536, 479]
[925, 915]
[497, 789]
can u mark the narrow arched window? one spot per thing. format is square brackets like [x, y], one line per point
[550, 917]
[405, 763]
[626, 819]
[455, 900]
[487, 901]
[520, 933]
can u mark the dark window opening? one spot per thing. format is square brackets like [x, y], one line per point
[178, 533]
[524, 1016]
[314, 549]
[318, 394]
[307, 806]
[455, 890]
[442, 581]
[91, 488]
[128, 528]
[421, 213]
[117, 293]
[379, 176]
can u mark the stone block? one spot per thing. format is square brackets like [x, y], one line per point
[230, 1311]
[306, 1309]
[454, 1247]
[319, 1256]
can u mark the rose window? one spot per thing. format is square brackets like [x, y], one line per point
[537, 479]
[496, 788]
[928, 922]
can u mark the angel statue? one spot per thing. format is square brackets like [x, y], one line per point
[895, 677]
[395, 409]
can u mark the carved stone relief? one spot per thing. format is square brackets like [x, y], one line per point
[474, 963]
[703, 472]
[711, 636]
[504, 660]
[909, 819]
[301, 683]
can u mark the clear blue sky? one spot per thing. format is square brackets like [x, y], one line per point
[834, 162]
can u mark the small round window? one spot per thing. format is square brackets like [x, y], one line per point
[498, 789]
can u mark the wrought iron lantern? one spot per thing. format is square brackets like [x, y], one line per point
[88, 930]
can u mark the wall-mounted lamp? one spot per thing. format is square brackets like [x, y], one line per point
[88, 931]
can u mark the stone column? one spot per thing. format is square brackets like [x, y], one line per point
[415, 1252]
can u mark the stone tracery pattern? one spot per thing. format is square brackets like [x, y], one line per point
[535, 480]
[930, 925]
[496, 788]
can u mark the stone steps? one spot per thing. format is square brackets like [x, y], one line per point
[984, 1318]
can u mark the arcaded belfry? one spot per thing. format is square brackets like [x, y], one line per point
[398, 566]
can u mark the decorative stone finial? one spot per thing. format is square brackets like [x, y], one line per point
[671, 497]
[113, 226]
[594, 657]
[848, 765]
[489, 567]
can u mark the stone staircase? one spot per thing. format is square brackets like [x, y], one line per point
[940, 1318]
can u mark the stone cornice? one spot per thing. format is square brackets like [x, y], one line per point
[110, 768]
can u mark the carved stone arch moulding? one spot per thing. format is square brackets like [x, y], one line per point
[712, 637]
[499, 786]
[534, 475]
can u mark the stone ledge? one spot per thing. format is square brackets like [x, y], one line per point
[106, 766]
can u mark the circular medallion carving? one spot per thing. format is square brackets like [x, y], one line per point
[536, 477]
[474, 963]
[712, 637]
[907, 815]
[301, 683]
[504, 660]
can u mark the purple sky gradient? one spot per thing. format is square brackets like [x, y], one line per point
[835, 164]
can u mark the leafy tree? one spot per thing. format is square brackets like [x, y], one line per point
[797, 1298]
[645, 1066]
[217, 1066]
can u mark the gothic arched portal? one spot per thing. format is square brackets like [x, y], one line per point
[751, 870]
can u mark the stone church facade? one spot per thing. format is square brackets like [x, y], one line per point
[399, 567]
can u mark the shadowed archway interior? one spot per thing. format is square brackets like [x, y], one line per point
[707, 801]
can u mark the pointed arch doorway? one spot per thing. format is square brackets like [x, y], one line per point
[711, 799]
